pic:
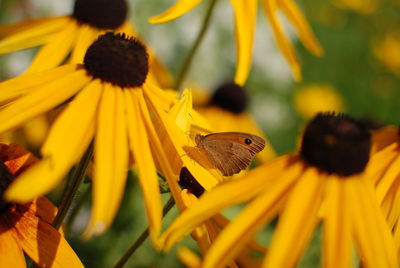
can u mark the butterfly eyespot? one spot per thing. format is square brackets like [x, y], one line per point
[247, 141]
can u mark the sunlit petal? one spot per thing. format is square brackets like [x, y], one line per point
[41, 100]
[297, 222]
[178, 9]
[85, 37]
[10, 251]
[30, 34]
[54, 52]
[147, 173]
[245, 20]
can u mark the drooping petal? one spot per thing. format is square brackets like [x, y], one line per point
[177, 10]
[147, 173]
[26, 83]
[230, 193]
[245, 21]
[41, 100]
[54, 52]
[380, 161]
[30, 33]
[45, 209]
[337, 240]
[45, 245]
[303, 29]
[263, 208]
[297, 221]
[60, 150]
[284, 44]
[11, 254]
[370, 231]
[111, 160]
[86, 36]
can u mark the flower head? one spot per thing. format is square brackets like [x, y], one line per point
[245, 19]
[303, 191]
[26, 228]
[109, 98]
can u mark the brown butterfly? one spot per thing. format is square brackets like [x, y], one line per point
[230, 152]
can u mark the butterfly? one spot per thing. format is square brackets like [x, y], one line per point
[230, 152]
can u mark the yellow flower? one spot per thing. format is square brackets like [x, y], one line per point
[226, 111]
[384, 170]
[68, 37]
[387, 50]
[324, 183]
[110, 101]
[245, 20]
[362, 6]
[26, 228]
[314, 98]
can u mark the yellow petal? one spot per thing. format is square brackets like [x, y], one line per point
[11, 254]
[303, 29]
[26, 83]
[60, 151]
[177, 10]
[111, 160]
[245, 22]
[252, 218]
[54, 53]
[388, 180]
[85, 37]
[297, 222]
[45, 245]
[30, 35]
[230, 193]
[147, 173]
[371, 233]
[181, 111]
[284, 44]
[189, 258]
[41, 100]
[337, 240]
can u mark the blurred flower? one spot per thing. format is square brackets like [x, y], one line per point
[245, 19]
[361, 6]
[314, 98]
[226, 110]
[109, 100]
[387, 50]
[325, 182]
[26, 228]
[384, 170]
[72, 35]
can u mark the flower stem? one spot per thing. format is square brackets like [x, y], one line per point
[72, 187]
[167, 207]
[78, 205]
[186, 64]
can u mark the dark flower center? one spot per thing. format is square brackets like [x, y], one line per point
[118, 60]
[5, 180]
[231, 97]
[102, 14]
[187, 181]
[336, 144]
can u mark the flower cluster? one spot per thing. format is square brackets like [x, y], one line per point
[106, 113]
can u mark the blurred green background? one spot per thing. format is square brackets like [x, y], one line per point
[361, 65]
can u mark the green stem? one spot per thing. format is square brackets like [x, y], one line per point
[139, 241]
[74, 211]
[72, 187]
[186, 64]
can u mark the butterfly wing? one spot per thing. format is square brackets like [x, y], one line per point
[231, 152]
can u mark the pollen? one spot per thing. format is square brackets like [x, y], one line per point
[102, 14]
[336, 144]
[231, 97]
[118, 60]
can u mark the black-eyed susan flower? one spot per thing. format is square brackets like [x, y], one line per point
[245, 20]
[26, 228]
[325, 183]
[384, 171]
[66, 38]
[109, 101]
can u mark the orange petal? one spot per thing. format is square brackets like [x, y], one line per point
[11, 254]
